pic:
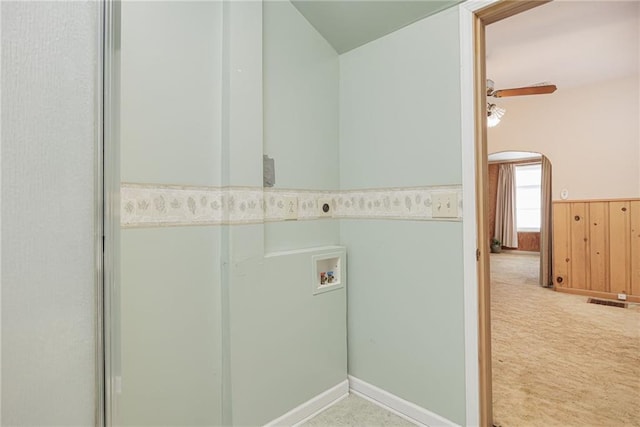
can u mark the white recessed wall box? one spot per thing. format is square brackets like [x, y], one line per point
[328, 271]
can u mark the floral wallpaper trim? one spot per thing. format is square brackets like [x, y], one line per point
[396, 203]
[155, 205]
[148, 205]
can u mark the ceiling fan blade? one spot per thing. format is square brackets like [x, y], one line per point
[529, 90]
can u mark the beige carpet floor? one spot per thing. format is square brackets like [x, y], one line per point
[558, 361]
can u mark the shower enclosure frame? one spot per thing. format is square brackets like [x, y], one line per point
[108, 304]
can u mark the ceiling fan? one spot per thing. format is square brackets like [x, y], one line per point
[537, 89]
[495, 113]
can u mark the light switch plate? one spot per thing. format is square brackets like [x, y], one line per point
[291, 207]
[445, 205]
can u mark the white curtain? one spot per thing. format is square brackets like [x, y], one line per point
[546, 255]
[506, 229]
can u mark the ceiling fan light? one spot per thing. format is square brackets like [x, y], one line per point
[490, 85]
[494, 114]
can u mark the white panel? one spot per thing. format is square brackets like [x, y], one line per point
[49, 58]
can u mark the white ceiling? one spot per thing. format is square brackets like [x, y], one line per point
[347, 24]
[567, 43]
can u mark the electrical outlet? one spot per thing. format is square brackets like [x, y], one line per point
[444, 205]
[291, 207]
[325, 208]
[622, 297]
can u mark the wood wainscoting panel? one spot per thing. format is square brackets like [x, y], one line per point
[579, 246]
[599, 246]
[596, 246]
[561, 245]
[635, 247]
[619, 247]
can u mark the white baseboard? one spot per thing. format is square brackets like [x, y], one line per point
[312, 407]
[392, 403]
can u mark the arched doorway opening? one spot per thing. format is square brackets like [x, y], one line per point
[520, 206]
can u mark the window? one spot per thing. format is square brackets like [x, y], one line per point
[528, 179]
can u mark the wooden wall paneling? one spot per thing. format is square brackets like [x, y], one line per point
[579, 240]
[635, 247]
[529, 241]
[598, 246]
[561, 246]
[619, 247]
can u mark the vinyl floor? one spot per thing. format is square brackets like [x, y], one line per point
[354, 411]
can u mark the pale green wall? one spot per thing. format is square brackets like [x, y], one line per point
[285, 345]
[170, 321]
[400, 108]
[171, 90]
[400, 127]
[266, 344]
[301, 75]
[301, 118]
[351, 24]
[405, 311]
[171, 365]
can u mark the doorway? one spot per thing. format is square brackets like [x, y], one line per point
[518, 270]
[475, 129]
[519, 219]
[481, 19]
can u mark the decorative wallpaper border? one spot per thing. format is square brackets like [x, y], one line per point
[394, 203]
[149, 205]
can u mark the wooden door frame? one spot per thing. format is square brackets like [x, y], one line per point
[474, 17]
